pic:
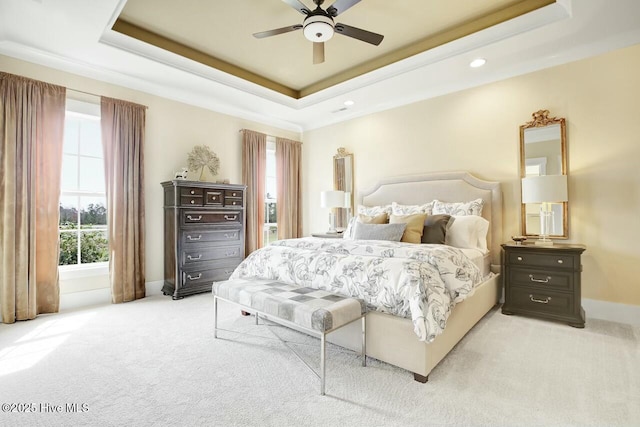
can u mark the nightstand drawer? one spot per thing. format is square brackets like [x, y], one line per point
[541, 302]
[541, 260]
[548, 279]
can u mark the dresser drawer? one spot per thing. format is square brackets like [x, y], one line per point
[211, 217]
[541, 302]
[208, 237]
[213, 197]
[548, 279]
[191, 200]
[198, 277]
[232, 201]
[233, 193]
[541, 260]
[191, 191]
[210, 254]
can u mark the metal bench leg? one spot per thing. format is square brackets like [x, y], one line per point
[322, 362]
[364, 341]
[215, 316]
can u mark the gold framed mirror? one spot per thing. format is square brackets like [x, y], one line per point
[543, 152]
[343, 181]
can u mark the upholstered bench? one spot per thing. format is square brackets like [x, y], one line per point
[315, 311]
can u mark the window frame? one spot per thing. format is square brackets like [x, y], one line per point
[87, 110]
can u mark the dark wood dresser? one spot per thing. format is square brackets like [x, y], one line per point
[204, 226]
[543, 281]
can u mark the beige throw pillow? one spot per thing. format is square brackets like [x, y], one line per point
[378, 219]
[415, 226]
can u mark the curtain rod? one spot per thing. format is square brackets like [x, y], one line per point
[100, 96]
[272, 136]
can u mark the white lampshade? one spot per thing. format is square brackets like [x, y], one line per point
[347, 199]
[544, 189]
[332, 199]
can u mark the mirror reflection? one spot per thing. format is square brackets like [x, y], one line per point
[343, 180]
[543, 152]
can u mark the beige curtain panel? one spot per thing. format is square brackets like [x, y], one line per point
[254, 169]
[31, 132]
[289, 187]
[123, 130]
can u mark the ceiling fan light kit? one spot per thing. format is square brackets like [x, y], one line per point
[319, 26]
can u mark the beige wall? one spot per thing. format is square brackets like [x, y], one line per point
[478, 130]
[173, 128]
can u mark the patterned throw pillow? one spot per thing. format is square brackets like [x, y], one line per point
[473, 207]
[374, 210]
[398, 209]
[415, 226]
[390, 232]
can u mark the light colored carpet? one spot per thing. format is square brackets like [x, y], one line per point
[155, 362]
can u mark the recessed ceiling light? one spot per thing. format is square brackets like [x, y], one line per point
[349, 103]
[479, 62]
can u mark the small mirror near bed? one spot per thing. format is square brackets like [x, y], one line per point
[343, 181]
[543, 152]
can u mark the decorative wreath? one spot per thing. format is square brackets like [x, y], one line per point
[200, 157]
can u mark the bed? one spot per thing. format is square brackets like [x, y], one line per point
[419, 340]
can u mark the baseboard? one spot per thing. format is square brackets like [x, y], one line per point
[101, 296]
[612, 311]
[594, 309]
[85, 299]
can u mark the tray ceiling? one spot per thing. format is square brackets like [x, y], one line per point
[218, 34]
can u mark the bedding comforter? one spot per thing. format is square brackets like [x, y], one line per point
[420, 282]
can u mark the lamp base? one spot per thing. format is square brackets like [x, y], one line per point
[544, 242]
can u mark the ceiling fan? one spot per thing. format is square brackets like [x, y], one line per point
[319, 26]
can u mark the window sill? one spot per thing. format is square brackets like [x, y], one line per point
[69, 272]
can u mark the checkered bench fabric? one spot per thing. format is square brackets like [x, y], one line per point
[310, 308]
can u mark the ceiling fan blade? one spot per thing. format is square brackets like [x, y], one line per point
[340, 6]
[277, 31]
[298, 5]
[358, 33]
[318, 53]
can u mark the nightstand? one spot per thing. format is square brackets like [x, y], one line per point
[543, 281]
[328, 235]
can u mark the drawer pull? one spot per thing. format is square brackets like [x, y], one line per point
[233, 194]
[231, 218]
[559, 261]
[234, 203]
[519, 258]
[193, 218]
[193, 202]
[533, 279]
[194, 278]
[193, 192]
[232, 253]
[194, 238]
[540, 301]
[230, 236]
[190, 258]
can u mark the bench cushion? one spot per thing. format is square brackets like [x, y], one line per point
[308, 307]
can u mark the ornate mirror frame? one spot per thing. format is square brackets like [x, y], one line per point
[542, 121]
[343, 180]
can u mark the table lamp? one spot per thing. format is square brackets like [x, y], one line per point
[545, 189]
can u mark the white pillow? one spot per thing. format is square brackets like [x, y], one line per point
[374, 210]
[473, 207]
[398, 209]
[468, 231]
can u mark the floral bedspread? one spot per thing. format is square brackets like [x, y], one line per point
[420, 282]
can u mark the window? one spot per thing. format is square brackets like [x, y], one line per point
[83, 212]
[270, 219]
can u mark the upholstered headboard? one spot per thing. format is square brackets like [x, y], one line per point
[446, 187]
